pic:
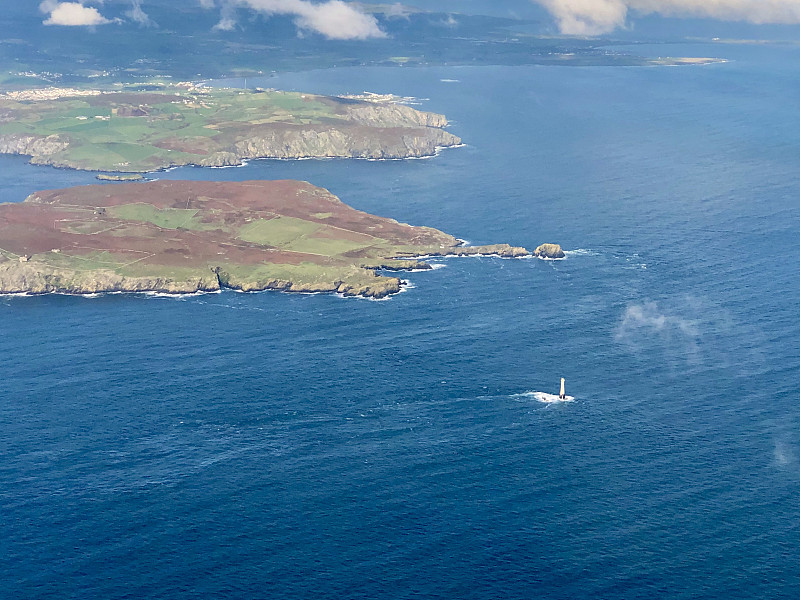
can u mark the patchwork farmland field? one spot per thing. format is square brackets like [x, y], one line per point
[188, 236]
[131, 130]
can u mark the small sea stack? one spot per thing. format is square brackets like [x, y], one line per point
[549, 251]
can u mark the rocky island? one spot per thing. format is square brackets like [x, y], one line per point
[195, 236]
[551, 251]
[135, 130]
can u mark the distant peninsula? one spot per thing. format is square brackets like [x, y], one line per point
[196, 236]
[135, 129]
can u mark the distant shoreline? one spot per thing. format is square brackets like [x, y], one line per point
[127, 130]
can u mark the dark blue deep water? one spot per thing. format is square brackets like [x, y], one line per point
[289, 446]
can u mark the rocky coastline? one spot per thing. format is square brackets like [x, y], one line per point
[335, 142]
[185, 237]
[28, 276]
[287, 143]
[349, 129]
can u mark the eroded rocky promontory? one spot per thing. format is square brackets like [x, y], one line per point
[195, 236]
[129, 130]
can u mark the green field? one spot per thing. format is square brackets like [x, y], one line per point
[298, 235]
[166, 218]
[141, 131]
[91, 261]
[278, 232]
[324, 246]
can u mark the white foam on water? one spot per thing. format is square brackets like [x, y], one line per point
[444, 257]
[633, 262]
[581, 252]
[450, 80]
[369, 299]
[437, 151]
[244, 163]
[431, 267]
[93, 295]
[544, 397]
[175, 296]
[551, 398]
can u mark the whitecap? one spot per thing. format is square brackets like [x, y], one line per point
[367, 298]
[551, 398]
[544, 397]
[176, 296]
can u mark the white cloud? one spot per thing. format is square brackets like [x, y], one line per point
[586, 17]
[648, 326]
[687, 331]
[71, 14]
[784, 454]
[648, 316]
[334, 19]
[225, 24]
[227, 17]
[137, 15]
[593, 17]
[450, 21]
[398, 11]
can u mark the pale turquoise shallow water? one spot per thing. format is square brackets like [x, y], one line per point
[281, 446]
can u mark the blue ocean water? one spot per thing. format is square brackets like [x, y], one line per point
[290, 446]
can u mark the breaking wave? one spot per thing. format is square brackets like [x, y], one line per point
[544, 397]
[177, 296]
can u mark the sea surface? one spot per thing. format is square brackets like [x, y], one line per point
[283, 446]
